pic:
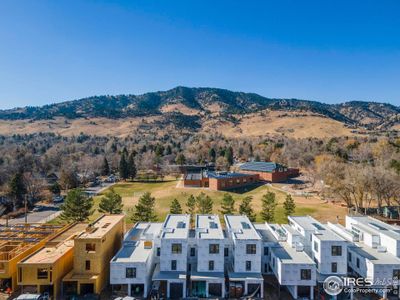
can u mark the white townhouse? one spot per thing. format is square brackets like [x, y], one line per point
[245, 252]
[207, 277]
[132, 267]
[373, 250]
[171, 271]
[323, 245]
[289, 263]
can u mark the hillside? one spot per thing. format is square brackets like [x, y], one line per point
[200, 109]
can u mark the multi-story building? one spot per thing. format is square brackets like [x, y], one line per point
[93, 250]
[207, 272]
[171, 271]
[16, 243]
[43, 271]
[244, 263]
[132, 267]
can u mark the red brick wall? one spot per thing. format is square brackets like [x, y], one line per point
[275, 176]
[231, 183]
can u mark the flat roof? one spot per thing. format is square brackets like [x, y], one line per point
[176, 227]
[373, 255]
[49, 255]
[320, 231]
[241, 227]
[378, 226]
[260, 166]
[168, 275]
[133, 252]
[143, 230]
[226, 175]
[209, 227]
[265, 233]
[100, 227]
[289, 255]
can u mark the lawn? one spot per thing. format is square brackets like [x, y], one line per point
[166, 191]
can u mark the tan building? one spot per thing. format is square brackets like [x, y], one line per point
[42, 271]
[94, 250]
[16, 243]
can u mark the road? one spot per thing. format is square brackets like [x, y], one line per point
[50, 211]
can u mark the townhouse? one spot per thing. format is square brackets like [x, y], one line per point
[170, 273]
[131, 269]
[244, 262]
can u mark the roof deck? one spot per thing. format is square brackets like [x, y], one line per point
[135, 252]
[320, 231]
[99, 228]
[290, 255]
[241, 228]
[143, 231]
[209, 227]
[176, 227]
[373, 225]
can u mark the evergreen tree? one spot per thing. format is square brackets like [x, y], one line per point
[289, 205]
[105, 168]
[55, 188]
[191, 206]
[132, 166]
[180, 159]
[144, 209]
[17, 189]
[245, 208]
[175, 207]
[123, 167]
[268, 207]
[229, 155]
[227, 205]
[77, 207]
[204, 204]
[111, 203]
[212, 155]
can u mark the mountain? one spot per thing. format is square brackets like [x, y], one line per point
[193, 107]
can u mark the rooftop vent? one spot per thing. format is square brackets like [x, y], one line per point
[381, 249]
[213, 225]
[245, 225]
[181, 224]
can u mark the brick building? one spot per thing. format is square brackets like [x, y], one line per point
[269, 171]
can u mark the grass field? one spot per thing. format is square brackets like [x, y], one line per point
[166, 191]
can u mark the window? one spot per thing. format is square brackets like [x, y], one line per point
[192, 251]
[396, 274]
[334, 267]
[315, 246]
[251, 249]
[226, 252]
[42, 273]
[305, 274]
[358, 262]
[91, 247]
[19, 274]
[158, 251]
[349, 256]
[336, 250]
[173, 265]
[87, 265]
[130, 272]
[266, 250]
[176, 248]
[248, 265]
[214, 249]
[211, 265]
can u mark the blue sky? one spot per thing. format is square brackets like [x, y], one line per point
[329, 51]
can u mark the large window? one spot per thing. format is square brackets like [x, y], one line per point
[336, 250]
[334, 267]
[130, 272]
[305, 274]
[42, 273]
[248, 265]
[173, 265]
[176, 248]
[251, 249]
[211, 265]
[91, 247]
[214, 249]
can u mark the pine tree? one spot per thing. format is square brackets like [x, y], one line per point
[123, 166]
[268, 207]
[132, 166]
[105, 168]
[111, 203]
[204, 204]
[175, 207]
[246, 209]
[144, 209]
[191, 206]
[180, 159]
[289, 205]
[17, 189]
[229, 155]
[227, 205]
[77, 207]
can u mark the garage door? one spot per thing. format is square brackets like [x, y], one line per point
[176, 290]
[215, 289]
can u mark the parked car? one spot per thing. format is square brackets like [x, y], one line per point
[30, 297]
[58, 199]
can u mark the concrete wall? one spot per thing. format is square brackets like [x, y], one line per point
[167, 256]
[203, 256]
[231, 183]
[240, 257]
